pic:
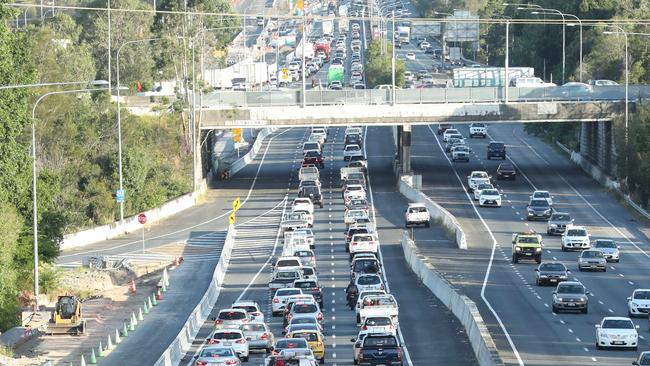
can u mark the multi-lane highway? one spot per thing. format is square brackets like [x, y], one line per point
[525, 319]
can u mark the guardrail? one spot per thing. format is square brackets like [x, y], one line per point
[240, 163]
[284, 97]
[463, 308]
[183, 341]
[449, 221]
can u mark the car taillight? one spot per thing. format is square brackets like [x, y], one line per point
[399, 353]
[320, 316]
[213, 341]
[289, 316]
[276, 300]
[218, 321]
[316, 289]
[382, 286]
[231, 362]
[256, 313]
[201, 363]
[361, 356]
[319, 344]
[365, 327]
[265, 336]
[240, 341]
[354, 243]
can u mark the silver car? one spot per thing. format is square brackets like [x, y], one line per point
[609, 249]
[592, 259]
[217, 356]
[558, 223]
[259, 336]
[570, 295]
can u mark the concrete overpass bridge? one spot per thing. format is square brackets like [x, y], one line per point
[595, 109]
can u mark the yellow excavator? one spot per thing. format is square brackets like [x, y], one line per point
[66, 317]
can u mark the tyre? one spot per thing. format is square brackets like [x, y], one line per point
[580, 269]
[427, 224]
[598, 345]
[244, 359]
[585, 310]
[515, 260]
[537, 282]
[321, 205]
[548, 232]
[538, 260]
[605, 269]
[563, 248]
[322, 360]
[555, 309]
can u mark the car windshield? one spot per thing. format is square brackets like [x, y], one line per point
[253, 327]
[286, 274]
[461, 149]
[417, 209]
[365, 265]
[479, 175]
[484, 186]
[305, 284]
[618, 324]
[312, 154]
[506, 167]
[232, 315]
[570, 289]
[490, 192]
[380, 342]
[560, 217]
[227, 335]
[247, 308]
[362, 238]
[309, 191]
[497, 145]
[287, 292]
[288, 263]
[216, 352]
[478, 125]
[642, 295]
[554, 267]
[576, 232]
[352, 148]
[305, 308]
[604, 244]
[377, 322]
[304, 320]
[592, 254]
[369, 280]
[539, 203]
[309, 336]
[291, 343]
[528, 240]
[542, 195]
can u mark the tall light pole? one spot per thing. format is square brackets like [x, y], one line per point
[544, 11]
[507, 62]
[34, 192]
[109, 42]
[580, 25]
[393, 59]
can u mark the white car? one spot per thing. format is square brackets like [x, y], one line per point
[309, 236]
[351, 215]
[353, 130]
[481, 187]
[308, 215]
[302, 203]
[489, 197]
[460, 153]
[231, 338]
[369, 282]
[354, 191]
[424, 45]
[351, 150]
[448, 132]
[478, 129]
[252, 308]
[231, 319]
[639, 303]
[544, 195]
[417, 214]
[475, 178]
[379, 324]
[575, 237]
[320, 138]
[617, 332]
[280, 299]
[363, 243]
[319, 131]
[410, 56]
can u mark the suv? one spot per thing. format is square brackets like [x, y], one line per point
[310, 287]
[380, 348]
[313, 192]
[570, 295]
[575, 237]
[496, 149]
[538, 208]
[558, 223]
[527, 246]
[477, 129]
[417, 214]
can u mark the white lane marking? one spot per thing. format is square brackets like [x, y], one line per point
[631, 283]
[600, 302]
[570, 330]
[620, 274]
[381, 257]
[578, 339]
[250, 191]
[489, 267]
[562, 321]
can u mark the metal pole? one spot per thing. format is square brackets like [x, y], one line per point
[580, 22]
[627, 83]
[41, 12]
[563, 46]
[109, 44]
[142, 238]
[393, 59]
[244, 33]
[507, 62]
[304, 40]
[119, 135]
[193, 119]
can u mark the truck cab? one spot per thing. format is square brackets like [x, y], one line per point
[526, 246]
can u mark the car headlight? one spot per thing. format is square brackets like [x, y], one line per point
[635, 304]
[583, 299]
[517, 249]
[560, 299]
[543, 276]
[537, 250]
[547, 211]
[604, 335]
[553, 225]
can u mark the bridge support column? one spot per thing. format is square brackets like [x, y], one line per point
[605, 143]
[405, 148]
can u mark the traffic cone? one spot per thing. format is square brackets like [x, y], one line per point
[117, 337]
[180, 260]
[153, 299]
[93, 358]
[83, 361]
[100, 350]
[165, 277]
[176, 262]
[164, 287]
[158, 294]
[140, 317]
[109, 345]
[149, 304]
[125, 331]
[132, 287]
[131, 325]
[146, 307]
[134, 320]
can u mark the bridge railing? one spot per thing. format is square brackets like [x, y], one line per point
[277, 98]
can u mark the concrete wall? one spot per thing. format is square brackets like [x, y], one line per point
[252, 153]
[408, 187]
[461, 306]
[183, 341]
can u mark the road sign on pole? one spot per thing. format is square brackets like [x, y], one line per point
[237, 132]
[236, 204]
[142, 218]
[119, 195]
[231, 219]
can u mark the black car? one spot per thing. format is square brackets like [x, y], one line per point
[551, 273]
[313, 192]
[380, 349]
[496, 149]
[313, 157]
[310, 287]
[506, 171]
[354, 139]
[538, 209]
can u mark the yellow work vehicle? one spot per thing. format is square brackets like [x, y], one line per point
[66, 317]
[314, 339]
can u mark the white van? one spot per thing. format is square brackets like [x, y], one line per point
[530, 82]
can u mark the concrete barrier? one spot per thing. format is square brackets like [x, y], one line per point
[252, 153]
[408, 187]
[109, 231]
[183, 341]
[461, 306]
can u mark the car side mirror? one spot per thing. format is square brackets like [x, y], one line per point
[554, 292]
[618, 247]
[636, 363]
[568, 271]
[587, 292]
[536, 269]
[629, 298]
[213, 318]
[573, 220]
[597, 325]
[636, 326]
[352, 340]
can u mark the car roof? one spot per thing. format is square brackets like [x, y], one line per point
[417, 204]
[616, 318]
[570, 283]
[231, 310]
[244, 302]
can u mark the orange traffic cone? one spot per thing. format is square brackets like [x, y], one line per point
[132, 287]
[181, 260]
[176, 262]
[158, 294]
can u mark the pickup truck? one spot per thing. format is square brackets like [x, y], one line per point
[477, 129]
[293, 242]
[363, 243]
[380, 349]
[308, 173]
[378, 305]
[351, 150]
[294, 220]
[417, 214]
[476, 178]
[349, 170]
[284, 277]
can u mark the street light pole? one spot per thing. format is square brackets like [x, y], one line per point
[393, 59]
[507, 62]
[557, 12]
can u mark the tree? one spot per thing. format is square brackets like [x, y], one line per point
[379, 66]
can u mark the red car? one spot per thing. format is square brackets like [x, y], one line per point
[506, 171]
[313, 157]
[444, 127]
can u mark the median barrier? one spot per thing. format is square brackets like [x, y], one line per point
[461, 306]
[240, 163]
[408, 186]
[183, 341]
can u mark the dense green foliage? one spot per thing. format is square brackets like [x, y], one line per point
[379, 66]
[634, 161]
[76, 133]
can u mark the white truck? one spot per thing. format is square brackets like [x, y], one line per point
[378, 305]
[478, 129]
[350, 170]
[328, 26]
[475, 178]
[294, 220]
[404, 34]
[308, 173]
[294, 241]
[363, 243]
[284, 277]
[417, 214]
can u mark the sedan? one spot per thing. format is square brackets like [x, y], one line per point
[489, 197]
[551, 273]
[538, 209]
[506, 171]
[617, 332]
[217, 356]
[644, 359]
[609, 249]
[592, 259]
[231, 338]
[410, 56]
[259, 336]
[639, 303]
